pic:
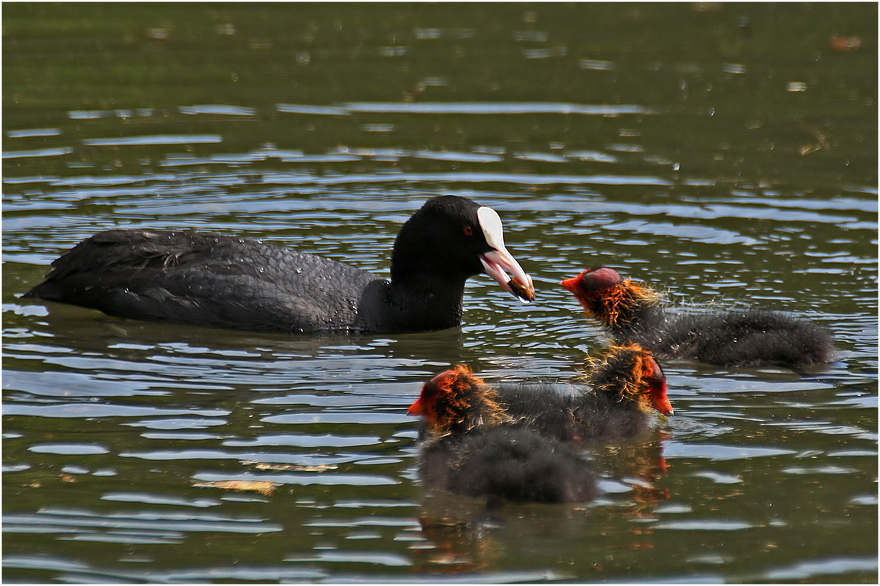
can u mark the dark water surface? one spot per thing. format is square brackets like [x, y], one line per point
[726, 153]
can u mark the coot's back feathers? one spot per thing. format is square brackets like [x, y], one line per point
[631, 312]
[223, 281]
[206, 279]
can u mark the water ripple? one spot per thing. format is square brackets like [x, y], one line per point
[160, 139]
[50, 519]
[814, 569]
[719, 453]
[504, 108]
[88, 410]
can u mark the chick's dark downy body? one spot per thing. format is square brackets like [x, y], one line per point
[505, 441]
[633, 313]
[505, 462]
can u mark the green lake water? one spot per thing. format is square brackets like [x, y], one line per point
[725, 153]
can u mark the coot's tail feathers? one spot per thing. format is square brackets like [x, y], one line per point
[128, 259]
[99, 258]
[106, 272]
[203, 279]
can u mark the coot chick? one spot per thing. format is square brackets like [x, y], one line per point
[614, 400]
[228, 282]
[632, 312]
[474, 448]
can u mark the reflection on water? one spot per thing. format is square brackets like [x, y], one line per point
[139, 451]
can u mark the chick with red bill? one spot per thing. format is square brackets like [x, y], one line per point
[473, 448]
[616, 398]
[631, 312]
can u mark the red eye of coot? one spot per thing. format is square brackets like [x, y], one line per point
[468, 230]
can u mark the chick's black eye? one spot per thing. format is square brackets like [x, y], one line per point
[468, 231]
[658, 372]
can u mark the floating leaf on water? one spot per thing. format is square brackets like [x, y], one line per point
[288, 467]
[261, 486]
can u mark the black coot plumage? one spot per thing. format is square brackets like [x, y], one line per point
[632, 312]
[228, 282]
[472, 447]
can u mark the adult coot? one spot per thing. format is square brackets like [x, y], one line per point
[615, 400]
[632, 312]
[228, 282]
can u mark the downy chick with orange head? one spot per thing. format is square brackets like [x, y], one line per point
[631, 312]
[474, 448]
[615, 399]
